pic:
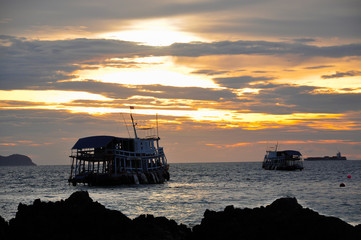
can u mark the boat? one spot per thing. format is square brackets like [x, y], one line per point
[282, 160]
[110, 160]
[326, 158]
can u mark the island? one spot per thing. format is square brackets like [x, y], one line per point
[16, 160]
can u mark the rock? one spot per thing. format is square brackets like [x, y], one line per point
[3, 228]
[160, 228]
[16, 160]
[283, 219]
[285, 204]
[79, 217]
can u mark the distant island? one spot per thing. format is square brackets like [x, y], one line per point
[16, 160]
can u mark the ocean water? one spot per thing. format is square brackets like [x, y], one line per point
[195, 187]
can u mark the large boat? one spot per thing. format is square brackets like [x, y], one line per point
[282, 160]
[109, 160]
[326, 158]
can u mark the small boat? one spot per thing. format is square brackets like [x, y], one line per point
[282, 160]
[327, 158]
[109, 160]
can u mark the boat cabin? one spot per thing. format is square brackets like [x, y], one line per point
[283, 160]
[108, 159]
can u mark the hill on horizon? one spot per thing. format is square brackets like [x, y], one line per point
[16, 160]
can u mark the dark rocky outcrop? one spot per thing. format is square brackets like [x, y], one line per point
[16, 160]
[3, 228]
[79, 217]
[283, 219]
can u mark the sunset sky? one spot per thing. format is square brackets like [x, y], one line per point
[227, 78]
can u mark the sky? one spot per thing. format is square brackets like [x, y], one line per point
[228, 79]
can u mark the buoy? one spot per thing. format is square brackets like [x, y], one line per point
[342, 185]
[348, 176]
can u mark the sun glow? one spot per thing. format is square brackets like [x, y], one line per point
[148, 71]
[49, 96]
[158, 32]
[52, 100]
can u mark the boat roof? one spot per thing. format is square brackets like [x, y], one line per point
[288, 152]
[291, 152]
[96, 141]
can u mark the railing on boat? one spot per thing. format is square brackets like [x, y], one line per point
[116, 161]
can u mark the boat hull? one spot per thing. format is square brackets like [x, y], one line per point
[151, 177]
[282, 167]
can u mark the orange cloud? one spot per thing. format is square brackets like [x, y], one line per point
[228, 145]
[8, 144]
[319, 141]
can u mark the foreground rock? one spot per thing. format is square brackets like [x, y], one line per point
[79, 217]
[283, 219]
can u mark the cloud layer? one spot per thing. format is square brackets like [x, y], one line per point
[264, 71]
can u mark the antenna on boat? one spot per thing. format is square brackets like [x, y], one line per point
[131, 116]
[126, 125]
[156, 118]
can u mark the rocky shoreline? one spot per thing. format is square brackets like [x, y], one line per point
[79, 217]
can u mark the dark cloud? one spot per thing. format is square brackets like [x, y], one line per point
[326, 103]
[110, 90]
[32, 63]
[301, 21]
[123, 92]
[321, 25]
[302, 99]
[304, 40]
[239, 82]
[206, 94]
[26, 63]
[319, 67]
[209, 72]
[342, 74]
[260, 48]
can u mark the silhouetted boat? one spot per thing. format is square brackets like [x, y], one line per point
[327, 158]
[109, 160]
[282, 160]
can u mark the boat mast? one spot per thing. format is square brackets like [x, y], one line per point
[156, 116]
[131, 116]
[125, 124]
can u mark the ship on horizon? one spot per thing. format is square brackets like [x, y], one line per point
[326, 158]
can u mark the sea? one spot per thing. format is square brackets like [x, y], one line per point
[195, 187]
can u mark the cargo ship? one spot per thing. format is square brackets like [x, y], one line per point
[110, 160]
[327, 158]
